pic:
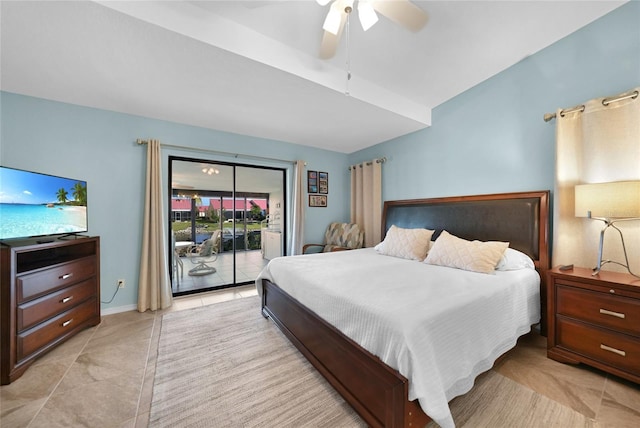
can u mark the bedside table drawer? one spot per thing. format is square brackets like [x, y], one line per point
[607, 310]
[613, 349]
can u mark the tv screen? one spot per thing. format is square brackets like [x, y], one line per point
[34, 204]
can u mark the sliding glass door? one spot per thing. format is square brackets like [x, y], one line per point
[227, 221]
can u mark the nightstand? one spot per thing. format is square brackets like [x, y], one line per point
[595, 320]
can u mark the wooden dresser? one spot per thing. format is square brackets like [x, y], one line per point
[50, 292]
[595, 320]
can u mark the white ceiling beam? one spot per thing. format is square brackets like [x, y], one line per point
[196, 23]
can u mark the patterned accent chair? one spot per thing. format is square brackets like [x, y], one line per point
[338, 237]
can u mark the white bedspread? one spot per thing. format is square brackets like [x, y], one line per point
[439, 327]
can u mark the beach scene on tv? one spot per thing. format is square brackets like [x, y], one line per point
[33, 204]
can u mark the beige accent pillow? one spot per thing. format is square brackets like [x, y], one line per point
[476, 256]
[411, 244]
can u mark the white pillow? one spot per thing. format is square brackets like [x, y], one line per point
[476, 256]
[411, 244]
[515, 260]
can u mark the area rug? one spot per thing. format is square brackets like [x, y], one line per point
[225, 365]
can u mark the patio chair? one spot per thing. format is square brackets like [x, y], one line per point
[339, 237]
[203, 254]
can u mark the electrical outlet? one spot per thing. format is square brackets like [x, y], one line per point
[121, 283]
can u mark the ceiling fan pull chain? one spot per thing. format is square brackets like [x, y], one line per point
[348, 10]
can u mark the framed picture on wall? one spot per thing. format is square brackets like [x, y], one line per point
[312, 181]
[323, 182]
[317, 201]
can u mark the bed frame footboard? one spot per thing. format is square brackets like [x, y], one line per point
[376, 392]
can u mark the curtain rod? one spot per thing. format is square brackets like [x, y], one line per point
[141, 142]
[605, 102]
[380, 160]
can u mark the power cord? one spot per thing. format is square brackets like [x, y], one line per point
[114, 295]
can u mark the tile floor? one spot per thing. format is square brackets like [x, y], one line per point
[103, 377]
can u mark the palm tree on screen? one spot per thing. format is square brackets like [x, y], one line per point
[80, 194]
[62, 195]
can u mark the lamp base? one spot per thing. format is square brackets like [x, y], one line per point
[609, 223]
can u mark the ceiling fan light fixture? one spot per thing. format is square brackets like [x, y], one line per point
[333, 20]
[402, 12]
[210, 171]
[367, 15]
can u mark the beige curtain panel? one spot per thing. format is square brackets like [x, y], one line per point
[154, 287]
[366, 199]
[597, 144]
[297, 235]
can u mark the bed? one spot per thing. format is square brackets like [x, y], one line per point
[365, 364]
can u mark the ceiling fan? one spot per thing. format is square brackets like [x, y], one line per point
[402, 12]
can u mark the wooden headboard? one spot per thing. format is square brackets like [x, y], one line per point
[522, 219]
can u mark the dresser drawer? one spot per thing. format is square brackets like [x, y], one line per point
[617, 350]
[43, 308]
[608, 310]
[48, 332]
[39, 283]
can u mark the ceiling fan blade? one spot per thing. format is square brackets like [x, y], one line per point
[402, 12]
[330, 41]
[329, 45]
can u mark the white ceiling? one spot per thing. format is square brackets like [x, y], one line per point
[190, 177]
[251, 67]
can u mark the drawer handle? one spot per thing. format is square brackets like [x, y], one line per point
[66, 323]
[65, 276]
[66, 299]
[613, 314]
[614, 350]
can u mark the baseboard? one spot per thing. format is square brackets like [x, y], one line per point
[118, 310]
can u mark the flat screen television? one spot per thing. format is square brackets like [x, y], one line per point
[41, 205]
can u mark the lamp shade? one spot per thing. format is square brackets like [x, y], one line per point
[619, 199]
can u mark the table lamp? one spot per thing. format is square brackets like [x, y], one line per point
[610, 203]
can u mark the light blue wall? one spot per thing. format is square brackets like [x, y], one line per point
[492, 138]
[99, 146]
